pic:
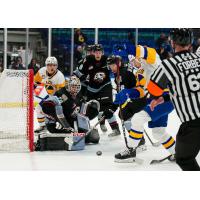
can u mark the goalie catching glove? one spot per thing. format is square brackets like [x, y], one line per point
[91, 109]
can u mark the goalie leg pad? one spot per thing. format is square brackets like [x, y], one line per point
[59, 141]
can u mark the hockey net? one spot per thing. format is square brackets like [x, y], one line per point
[16, 111]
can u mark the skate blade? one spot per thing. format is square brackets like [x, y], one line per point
[141, 148]
[129, 160]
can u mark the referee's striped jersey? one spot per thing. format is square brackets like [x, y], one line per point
[181, 74]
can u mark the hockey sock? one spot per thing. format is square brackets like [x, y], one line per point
[168, 143]
[113, 122]
[114, 125]
[41, 121]
[134, 138]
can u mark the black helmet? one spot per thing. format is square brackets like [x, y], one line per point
[182, 36]
[90, 47]
[98, 47]
[113, 59]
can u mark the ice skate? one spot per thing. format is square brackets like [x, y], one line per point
[126, 156]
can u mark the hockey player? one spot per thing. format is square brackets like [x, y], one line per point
[73, 104]
[52, 109]
[181, 74]
[53, 80]
[126, 85]
[90, 50]
[99, 84]
[77, 72]
[64, 108]
[157, 119]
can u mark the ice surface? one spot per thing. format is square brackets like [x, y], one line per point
[88, 160]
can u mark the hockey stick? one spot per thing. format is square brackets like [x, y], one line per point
[160, 160]
[137, 160]
[120, 109]
[69, 140]
[154, 144]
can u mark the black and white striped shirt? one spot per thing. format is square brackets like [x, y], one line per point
[181, 74]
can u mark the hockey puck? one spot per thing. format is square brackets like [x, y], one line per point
[99, 153]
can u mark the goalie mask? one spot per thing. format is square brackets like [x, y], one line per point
[73, 85]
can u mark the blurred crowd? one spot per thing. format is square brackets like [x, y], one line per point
[162, 46]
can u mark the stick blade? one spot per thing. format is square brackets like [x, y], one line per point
[69, 140]
[154, 162]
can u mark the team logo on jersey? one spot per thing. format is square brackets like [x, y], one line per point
[99, 77]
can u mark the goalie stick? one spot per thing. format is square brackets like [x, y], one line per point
[69, 139]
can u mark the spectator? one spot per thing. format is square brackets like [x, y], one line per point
[131, 37]
[164, 49]
[33, 65]
[196, 45]
[18, 65]
[79, 37]
[164, 52]
[161, 40]
[78, 54]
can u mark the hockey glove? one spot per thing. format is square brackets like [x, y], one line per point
[92, 109]
[122, 96]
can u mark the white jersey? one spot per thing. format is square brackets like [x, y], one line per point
[149, 59]
[149, 68]
[52, 83]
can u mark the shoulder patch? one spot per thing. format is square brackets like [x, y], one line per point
[64, 97]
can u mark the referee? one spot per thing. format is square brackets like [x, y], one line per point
[181, 73]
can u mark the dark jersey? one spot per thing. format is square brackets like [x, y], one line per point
[97, 72]
[71, 106]
[126, 77]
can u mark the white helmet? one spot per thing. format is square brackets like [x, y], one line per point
[73, 85]
[51, 60]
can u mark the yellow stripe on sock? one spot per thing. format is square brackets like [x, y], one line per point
[168, 144]
[40, 120]
[135, 135]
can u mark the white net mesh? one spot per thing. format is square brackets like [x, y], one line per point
[14, 111]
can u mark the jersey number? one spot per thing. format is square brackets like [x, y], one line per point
[194, 82]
